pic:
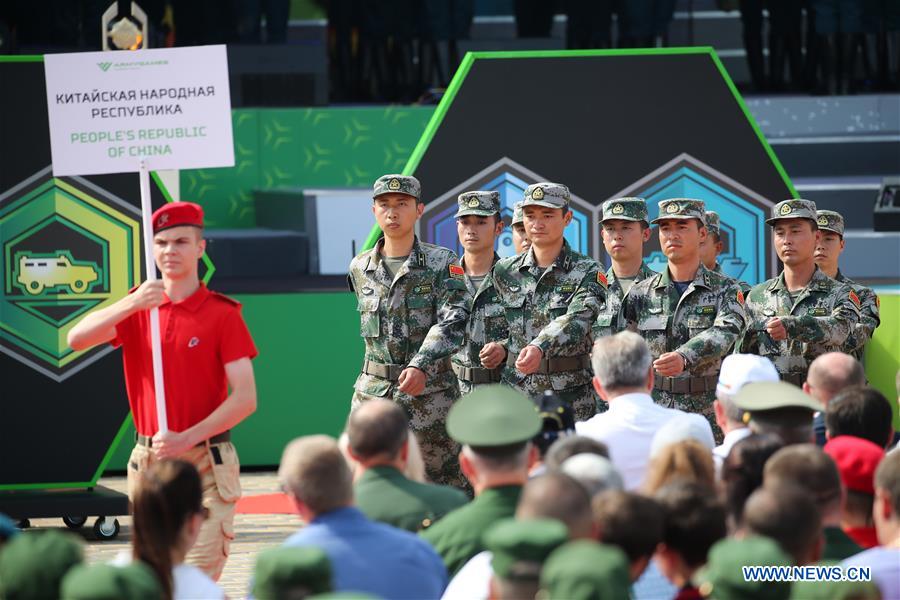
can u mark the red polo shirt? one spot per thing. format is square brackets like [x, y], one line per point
[200, 335]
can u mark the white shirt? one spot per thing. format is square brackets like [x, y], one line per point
[627, 428]
[188, 582]
[473, 581]
[731, 438]
[885, 564]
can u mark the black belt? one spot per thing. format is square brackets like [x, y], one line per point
[685, 385]
[392, 372]
[476, 374]
[557, 364]
[225, 436]
[795, 378]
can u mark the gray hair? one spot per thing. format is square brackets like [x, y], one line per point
[732, 412]
[621, 360]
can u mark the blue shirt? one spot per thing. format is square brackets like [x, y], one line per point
[374, 558]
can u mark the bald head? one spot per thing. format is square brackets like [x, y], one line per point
[314, 471]
[555, 495]
[831, 373]
[377, 429]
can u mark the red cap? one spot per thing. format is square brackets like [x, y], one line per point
[175, 214]
[856, 461]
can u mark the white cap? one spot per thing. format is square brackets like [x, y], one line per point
[741, 369]
[594, 472]
[682, 427]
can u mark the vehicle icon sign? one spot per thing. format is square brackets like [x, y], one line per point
[37, 273]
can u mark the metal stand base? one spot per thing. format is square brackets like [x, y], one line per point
[73, 506]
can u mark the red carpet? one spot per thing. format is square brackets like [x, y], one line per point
[265, 504]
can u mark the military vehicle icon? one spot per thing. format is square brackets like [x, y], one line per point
[39, 272]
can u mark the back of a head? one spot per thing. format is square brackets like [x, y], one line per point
[742, 471]
[32, 565]
[630, 521]
[787, 515]
[887, 480]
[807, 466]
[621, 361]
[135, 581]
[555, 495]
[586, 570]
[686, 426]
[378, 428]
[833, 372]
[596, 473]
[694, 520]
[723, 577]
[314, 471]
[519, 549]
[861, 412]
[291, 573]
[570, 446]
[688, 460]
[169, 493]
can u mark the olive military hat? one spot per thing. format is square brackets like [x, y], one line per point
[480, 204]
[549, 195]
[520, 547]
[829, 220]
[834, 590]
[723, 577]
[713, 222]
[518, 213]
[795, 208]
[32, 565]
[586, 570]
[286, 571]
[493, 415]
[776, 402]
[397, 184]
[135, 581]
[681, 208]
[625, 209]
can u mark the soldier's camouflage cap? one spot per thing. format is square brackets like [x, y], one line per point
[518, 214]
[712, 221]
[33, 564]
[625, 209]
[681, 208]
[480, 204]
[397, 184]
[795, 208]
[110, 582]
[776, 402]
[282, 572]
[493, 415]
[550, 195]
[723, 578]
[829, 220]
[520, 547]
[586, 570]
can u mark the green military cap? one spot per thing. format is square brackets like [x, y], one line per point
[550, 195]
[625, 209]
[135, 581]
[834, 590]
[493, 415]
[281, 572]
[520, 547]
[761, 396]
[518, 214]
[480, 204]
[795, 208]
[681, 208]
[586, 570]
[712, 221]
[723, 577]
[829, 220]
[397, 184]
[33, 564]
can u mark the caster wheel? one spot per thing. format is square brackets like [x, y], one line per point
[23, 524]
[74, 522]
[105, 528]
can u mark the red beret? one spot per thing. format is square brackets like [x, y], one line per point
[856, 461]
[176, 214]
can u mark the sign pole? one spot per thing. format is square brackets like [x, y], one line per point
[150, 266]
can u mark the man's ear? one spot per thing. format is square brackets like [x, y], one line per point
[645, 234]
[420, 208]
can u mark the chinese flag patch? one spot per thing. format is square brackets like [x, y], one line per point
[601, 278]
[457, 272]
[855, 298]
[740, 297]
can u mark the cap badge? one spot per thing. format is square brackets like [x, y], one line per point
[618, 209]
[823, 221]
[672, 208]
[473, 202]
[786, 209]
[394, 184]
[537, 194]
[163, 219]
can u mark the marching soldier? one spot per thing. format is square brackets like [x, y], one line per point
[828, 251]
[689, 315]
[413, 307]
[478, 225]
[712, 247]
[625, 230]
[802, 313]
[551, 296]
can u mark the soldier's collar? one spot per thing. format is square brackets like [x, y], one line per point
[375, 255]
[820, 281]
[417, 255]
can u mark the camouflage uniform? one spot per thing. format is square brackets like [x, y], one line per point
[552, 309]
[418, 319]
[487, 322]
[713, 226]
[702, 324]
[869, 318]
[818, 321]
[625, 209]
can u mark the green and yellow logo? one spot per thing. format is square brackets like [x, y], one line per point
[104, 66]
[68, 247]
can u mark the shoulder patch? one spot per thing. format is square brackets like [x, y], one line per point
[855, 299]
[224, 298]
[877, 301]
[740, 297]
[457, 272]
[601, 278]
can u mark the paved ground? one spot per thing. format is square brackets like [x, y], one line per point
[252, 533]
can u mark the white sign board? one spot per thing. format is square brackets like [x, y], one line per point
[170, 108]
